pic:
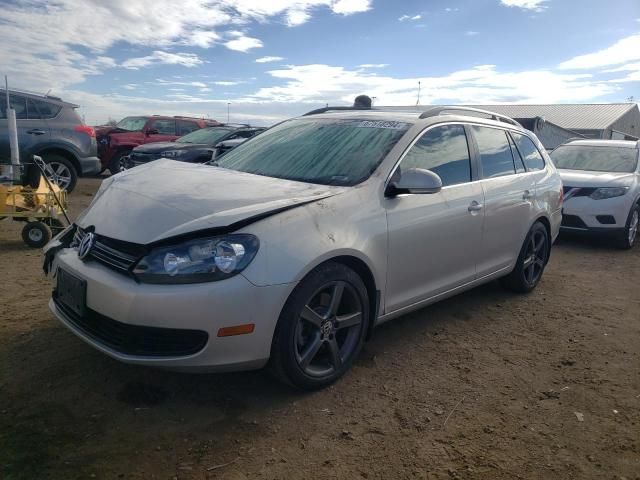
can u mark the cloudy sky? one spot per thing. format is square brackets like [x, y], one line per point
[272, 59]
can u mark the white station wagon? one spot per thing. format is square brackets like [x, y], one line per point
[290, 249]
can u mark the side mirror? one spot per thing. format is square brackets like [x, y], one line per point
[152, 131]
[416, 181]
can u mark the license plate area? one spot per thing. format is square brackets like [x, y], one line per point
[71, 291]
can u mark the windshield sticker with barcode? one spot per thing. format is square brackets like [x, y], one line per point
[382, 124]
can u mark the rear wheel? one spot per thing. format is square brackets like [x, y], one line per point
[118, 163]
[531, 262]
[36, 234]
[321, 328]
[628, 238]
[60, 172]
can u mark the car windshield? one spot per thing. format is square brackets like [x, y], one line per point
[205, 135]
[133, 124]
[323, 151]
[596, 159]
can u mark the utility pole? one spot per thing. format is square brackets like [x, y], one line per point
[228, 104]
[418, 102]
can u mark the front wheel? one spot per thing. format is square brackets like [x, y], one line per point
[531, 262]
[628, 238]
[321, 328]
[118, 163]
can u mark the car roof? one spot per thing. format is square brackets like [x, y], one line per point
[421, 114]
[39, 96]
[604, 143]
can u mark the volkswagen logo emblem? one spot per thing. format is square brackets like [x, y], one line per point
[86, 244]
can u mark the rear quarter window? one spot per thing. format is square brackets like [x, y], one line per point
[530, 154]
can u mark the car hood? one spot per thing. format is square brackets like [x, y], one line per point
[582, 178]
[157, 147]
[167, 198]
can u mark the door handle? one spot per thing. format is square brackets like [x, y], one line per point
[36, 131]
[527, 195]
[475, 207]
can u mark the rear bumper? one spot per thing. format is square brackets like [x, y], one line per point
[89, 165]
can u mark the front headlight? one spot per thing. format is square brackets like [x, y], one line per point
[196, 261]
[608, 192]
[172, 153]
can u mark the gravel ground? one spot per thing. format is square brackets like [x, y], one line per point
[486, 385]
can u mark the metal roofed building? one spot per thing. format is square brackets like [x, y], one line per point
[617, 121]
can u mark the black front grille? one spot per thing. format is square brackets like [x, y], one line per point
[606, 219]
[572, 221]
[135, 339]
[116, 254]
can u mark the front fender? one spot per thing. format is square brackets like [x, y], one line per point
[295, 242]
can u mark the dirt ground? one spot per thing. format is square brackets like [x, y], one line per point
[486, 385]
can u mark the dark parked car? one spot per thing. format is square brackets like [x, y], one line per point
[115, 143]
[51, 128]
[197, 147]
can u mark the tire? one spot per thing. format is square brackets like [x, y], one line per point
[64, 174]
[531, 262]
[36, 234]
[116, 165]
[317, 339]
[631, 230]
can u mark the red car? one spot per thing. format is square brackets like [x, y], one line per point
[114, 143]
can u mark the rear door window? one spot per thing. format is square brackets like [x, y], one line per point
[532, 157]
[185, 127]
[165, 127]
[444, 151]
[495, 152]
[40, 109]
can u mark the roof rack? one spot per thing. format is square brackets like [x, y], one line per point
[434, 111]
[318, 111]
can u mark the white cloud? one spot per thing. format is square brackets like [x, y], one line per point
[535, 5]
[164, 82]
[349, 7]
[49, 40]
[625, 50]
[373, 65]
[130, 86]
[410, 18]
[321, 83]
[243, 44]
[299, 88]
[159, 57]
[471, 33]
[268, 59]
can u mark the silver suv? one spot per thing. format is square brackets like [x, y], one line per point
[292, 247]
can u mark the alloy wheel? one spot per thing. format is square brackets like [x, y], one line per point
[535, 257]
[59, 174]
[328, 329]
[633, 227]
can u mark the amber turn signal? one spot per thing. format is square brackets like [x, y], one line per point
[237, 330]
